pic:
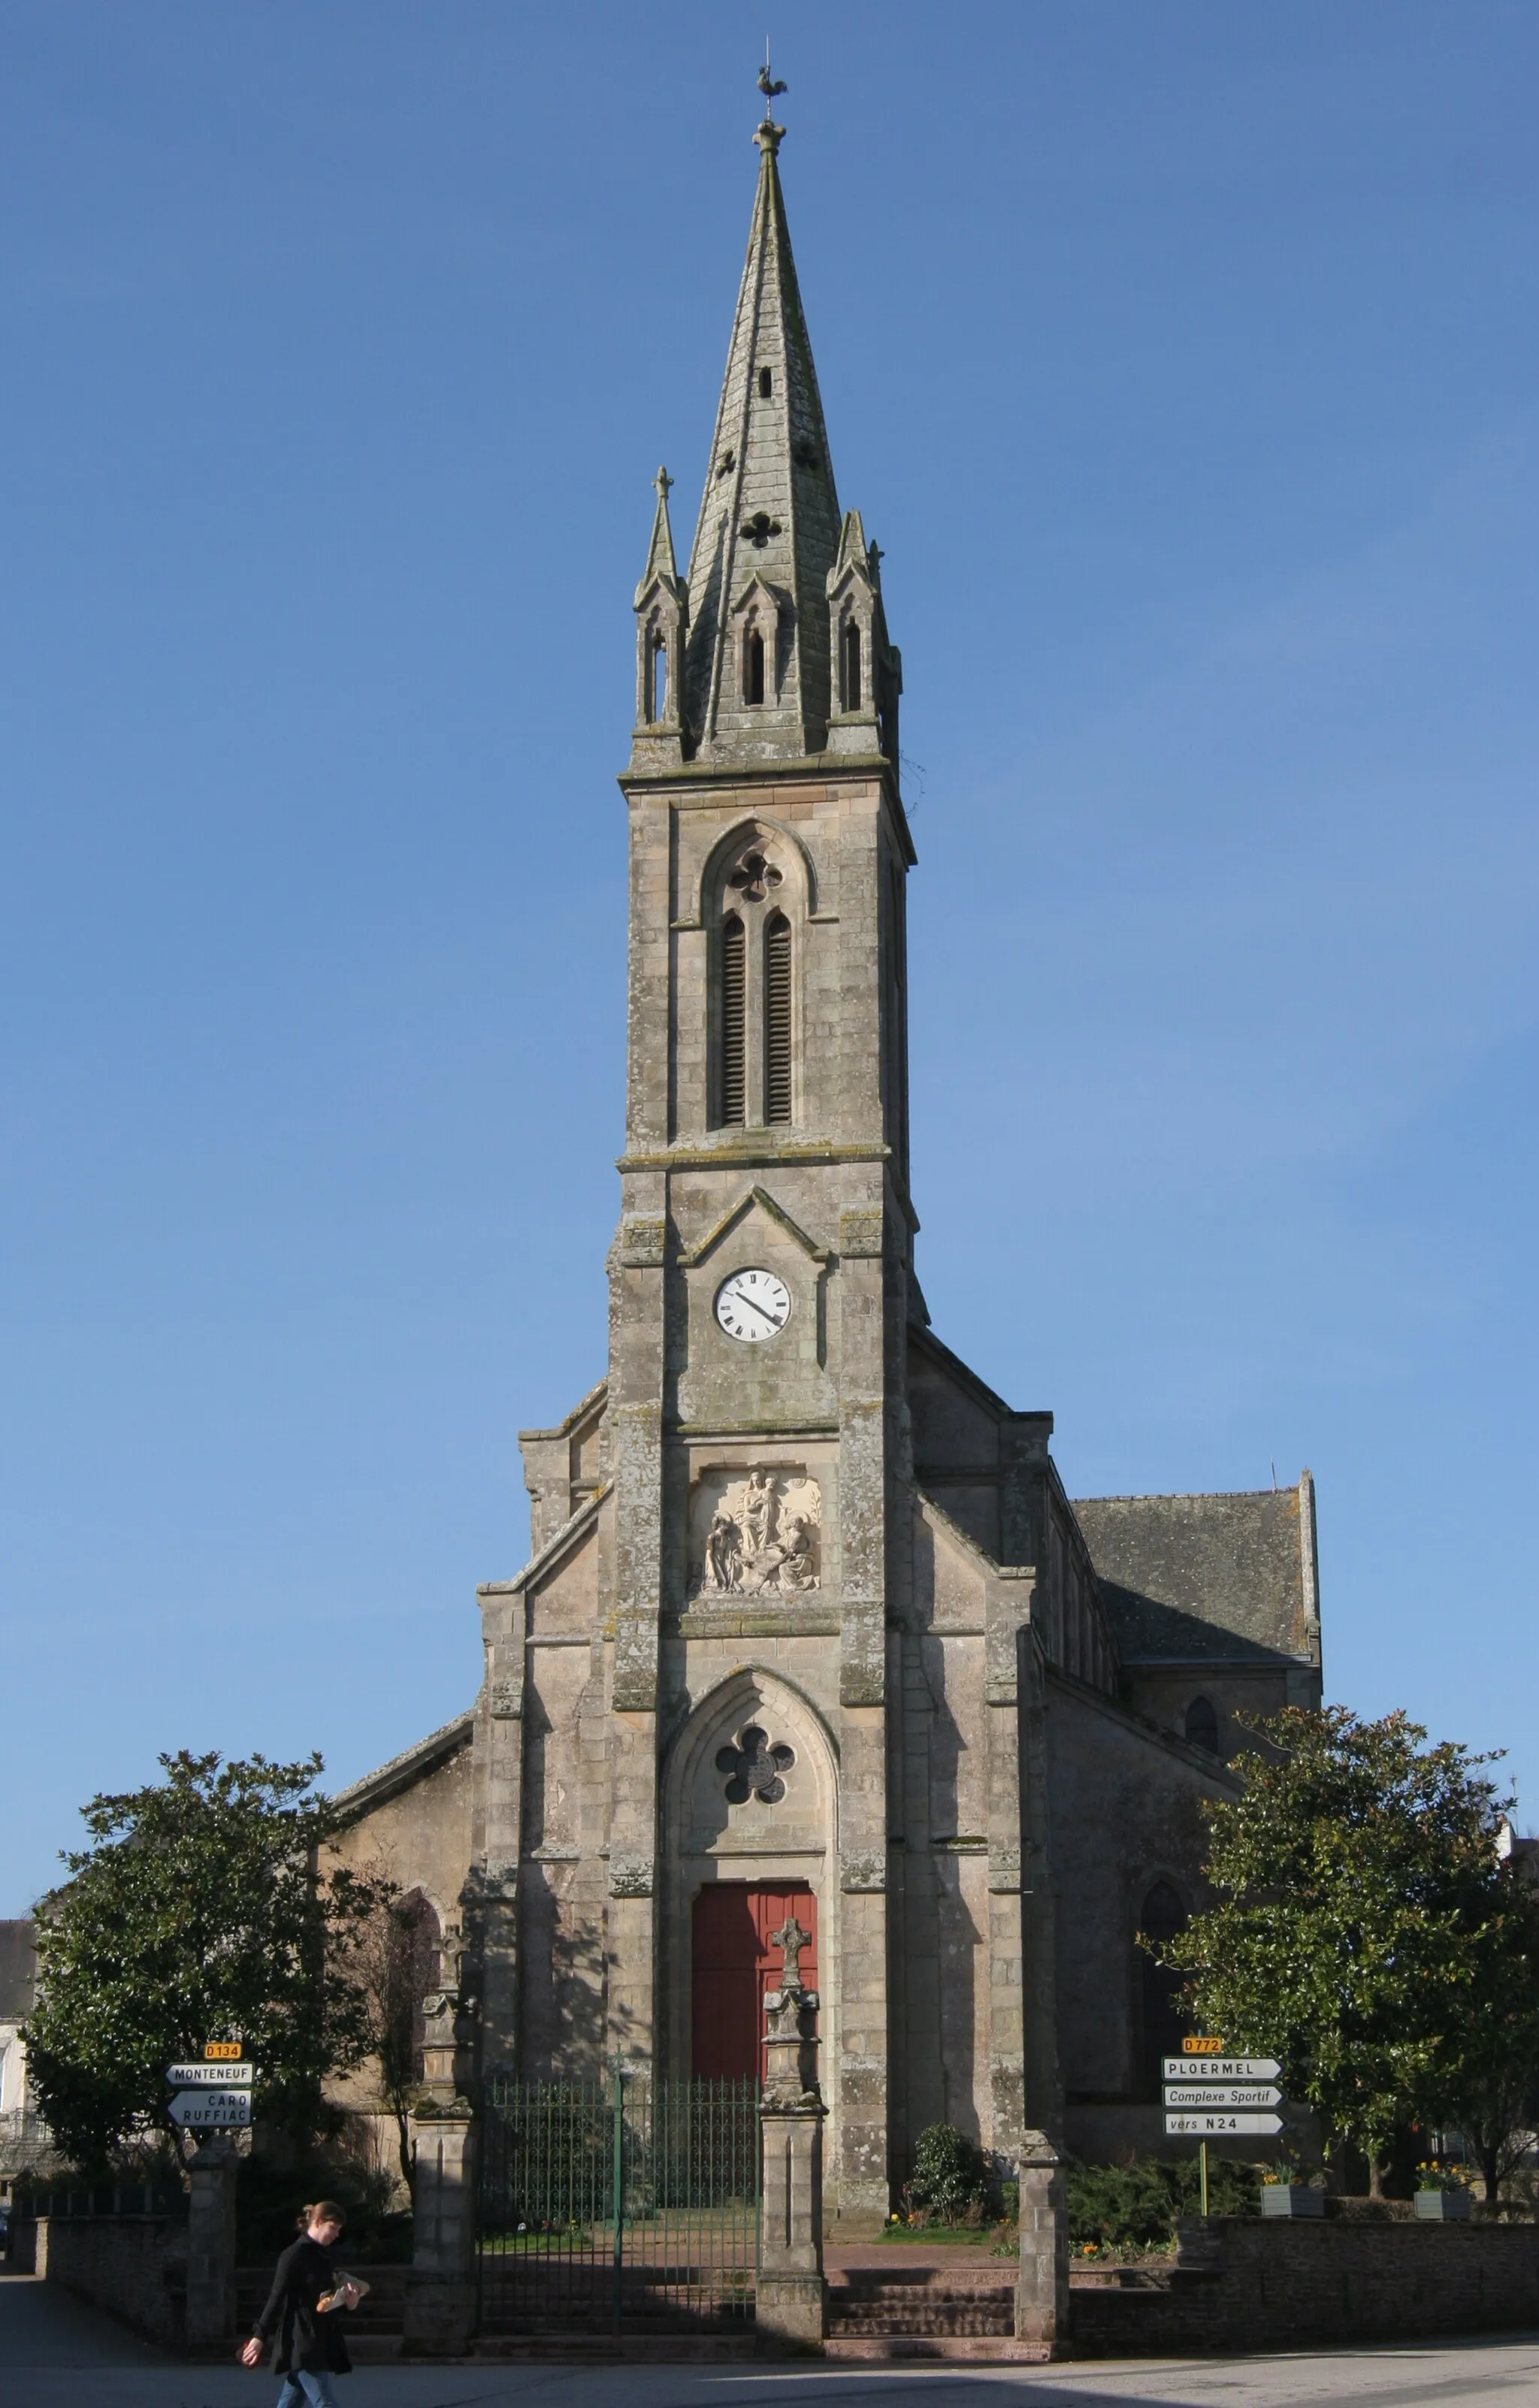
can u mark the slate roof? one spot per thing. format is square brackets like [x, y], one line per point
[1208, 1577]
[18, 1970]
[412, 1764]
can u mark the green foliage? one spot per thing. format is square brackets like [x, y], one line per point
[268, 2199]
[1368, 1935]
[1135, 2206]
[199, 1911]
[949, 2182]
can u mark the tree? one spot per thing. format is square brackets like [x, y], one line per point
[204, 1909]
[1486, 2074]
[1368, 1934]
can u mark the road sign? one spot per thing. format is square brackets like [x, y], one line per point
[211, 2111]
[1204, 2095]
[1205, 2124]
[210, 2077]
[222, 2049]
[1222, 2068]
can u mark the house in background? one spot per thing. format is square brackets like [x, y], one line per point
[25, 2142]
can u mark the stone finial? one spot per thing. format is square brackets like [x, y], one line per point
[662, 568]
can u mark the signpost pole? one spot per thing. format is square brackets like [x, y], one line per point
[1201, 2175]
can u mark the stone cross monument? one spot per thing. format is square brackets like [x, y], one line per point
[791, 2300]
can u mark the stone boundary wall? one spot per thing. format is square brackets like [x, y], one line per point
[134, 2267]
[1278, 2285]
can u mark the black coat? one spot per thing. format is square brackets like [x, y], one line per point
[308, 2343]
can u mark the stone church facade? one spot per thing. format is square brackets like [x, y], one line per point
[809, 1619]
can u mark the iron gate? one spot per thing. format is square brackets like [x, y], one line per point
[619, 2207]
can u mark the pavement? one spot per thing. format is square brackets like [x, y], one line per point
[56, 2353]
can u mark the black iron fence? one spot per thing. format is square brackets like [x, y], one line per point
[619, 2207]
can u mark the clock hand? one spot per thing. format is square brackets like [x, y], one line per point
[759, 1308]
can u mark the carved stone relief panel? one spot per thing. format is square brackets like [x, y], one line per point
[755, 1534]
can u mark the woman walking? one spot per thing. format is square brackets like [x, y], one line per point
[302, 2312]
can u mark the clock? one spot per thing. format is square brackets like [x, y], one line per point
[753, 1306]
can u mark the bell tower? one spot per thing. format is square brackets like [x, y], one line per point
[761, 1281]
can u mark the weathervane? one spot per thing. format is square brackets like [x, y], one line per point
[772, 89]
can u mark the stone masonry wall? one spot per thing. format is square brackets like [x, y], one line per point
[1280, 2285]
[132, 2266]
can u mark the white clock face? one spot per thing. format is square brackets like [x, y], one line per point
[753, 1305]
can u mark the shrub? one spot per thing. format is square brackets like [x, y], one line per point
[1136, 2205]
[949, 2182]
[268, 2199]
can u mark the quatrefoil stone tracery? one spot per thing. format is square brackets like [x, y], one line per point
[755, 877]
[755, 1767]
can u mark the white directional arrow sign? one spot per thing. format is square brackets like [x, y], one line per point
[1204, 2126]
[1222, 2094]
[210, 2077]
[211, 2111]
[1221, 2069]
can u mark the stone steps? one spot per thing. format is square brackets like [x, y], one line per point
[1001, 2350]
[922, 2304]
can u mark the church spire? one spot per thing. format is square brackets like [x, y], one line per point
[757, 662]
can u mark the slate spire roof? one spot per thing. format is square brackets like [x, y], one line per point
[769, 525]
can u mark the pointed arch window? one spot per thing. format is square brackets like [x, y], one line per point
[753, 666]
[657, 698]
[777, 1019]
[849, 666]
[1202, 1725]
[733, 1040]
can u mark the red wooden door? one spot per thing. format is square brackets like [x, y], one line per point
[733, 1964]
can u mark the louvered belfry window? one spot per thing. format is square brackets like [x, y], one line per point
[777, 1019]
[735, 963]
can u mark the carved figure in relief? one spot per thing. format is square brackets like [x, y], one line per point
[759, 1542]
[795, 1572]
[724, 1554]
[759, 1511]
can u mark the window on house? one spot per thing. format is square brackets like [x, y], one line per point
[849, 667]
[1202, 1725]
[1164, 2020]
[766, 383]
[734, 1022]
[777, 1019]
[657, 703]
[753, 666]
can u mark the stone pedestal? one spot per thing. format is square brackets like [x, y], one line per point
[440, 2305]
[1042, 2291]
[211, 2241]
[791, 2297]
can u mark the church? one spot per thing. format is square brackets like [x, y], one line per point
[809, 1622]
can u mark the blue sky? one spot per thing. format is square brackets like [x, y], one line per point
[1185, 361]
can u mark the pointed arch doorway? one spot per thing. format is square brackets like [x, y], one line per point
[733, 1963]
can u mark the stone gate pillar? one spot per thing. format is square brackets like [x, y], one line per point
[440, 2306]
[1042, 2291]
[211, 2241]
[792, 2299]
